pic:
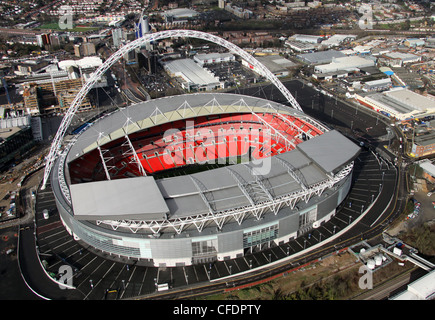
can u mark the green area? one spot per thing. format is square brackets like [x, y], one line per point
[55, 26]
[422, 238]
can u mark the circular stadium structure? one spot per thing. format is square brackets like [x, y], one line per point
[196, 178]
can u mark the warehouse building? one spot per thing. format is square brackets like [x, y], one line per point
[214, 57]
[306, 38]
[301, 46]
[278, 65]
[398, 59]
[337, 39]
[401, 103]
[423, 145]
[352, 63]
[377, 85]
[320, 57]
[191, 75]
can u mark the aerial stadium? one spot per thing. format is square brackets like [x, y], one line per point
[196, 178]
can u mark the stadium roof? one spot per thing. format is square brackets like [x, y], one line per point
[118, 199]
[330, 150]
[220, 189]
[312, 163]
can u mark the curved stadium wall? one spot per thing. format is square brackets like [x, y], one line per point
[195, 178]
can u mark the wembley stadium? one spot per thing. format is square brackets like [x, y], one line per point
[196, 178]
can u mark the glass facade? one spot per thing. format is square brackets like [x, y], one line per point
[204, 251]
[204, 248]
[260, 236]
[105, 243]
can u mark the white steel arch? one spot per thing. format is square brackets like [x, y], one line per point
[55, 146]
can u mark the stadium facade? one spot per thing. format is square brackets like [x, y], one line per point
[202, 177]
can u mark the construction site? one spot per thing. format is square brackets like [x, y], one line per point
[52, 97]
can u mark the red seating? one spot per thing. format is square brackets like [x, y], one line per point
[212, 137]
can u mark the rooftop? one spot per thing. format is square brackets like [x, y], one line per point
[180, 197]
[190, 71]
[321, 56]
[275, 63]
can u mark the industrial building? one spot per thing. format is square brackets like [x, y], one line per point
[398, 103]
[337, 39]
[398, 59]
[300, 46]
[414, 42]
[191, 75]
[215, 57]
[84, 49]
[421, 289]
[352, 63]
[320, 57]
[330, 75]
[377, 85]
[306, 38]
[423, 145]
[277, 64]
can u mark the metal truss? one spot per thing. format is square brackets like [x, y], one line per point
[61, 176]
[294, 173]
[286, 120]
[96, 75]
[104, 160]
[202, 192]
[256, 208]
[131, 152]
[276, 132]
[250, 193]
[259, 181]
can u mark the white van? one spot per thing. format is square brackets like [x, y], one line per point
[45, 214]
